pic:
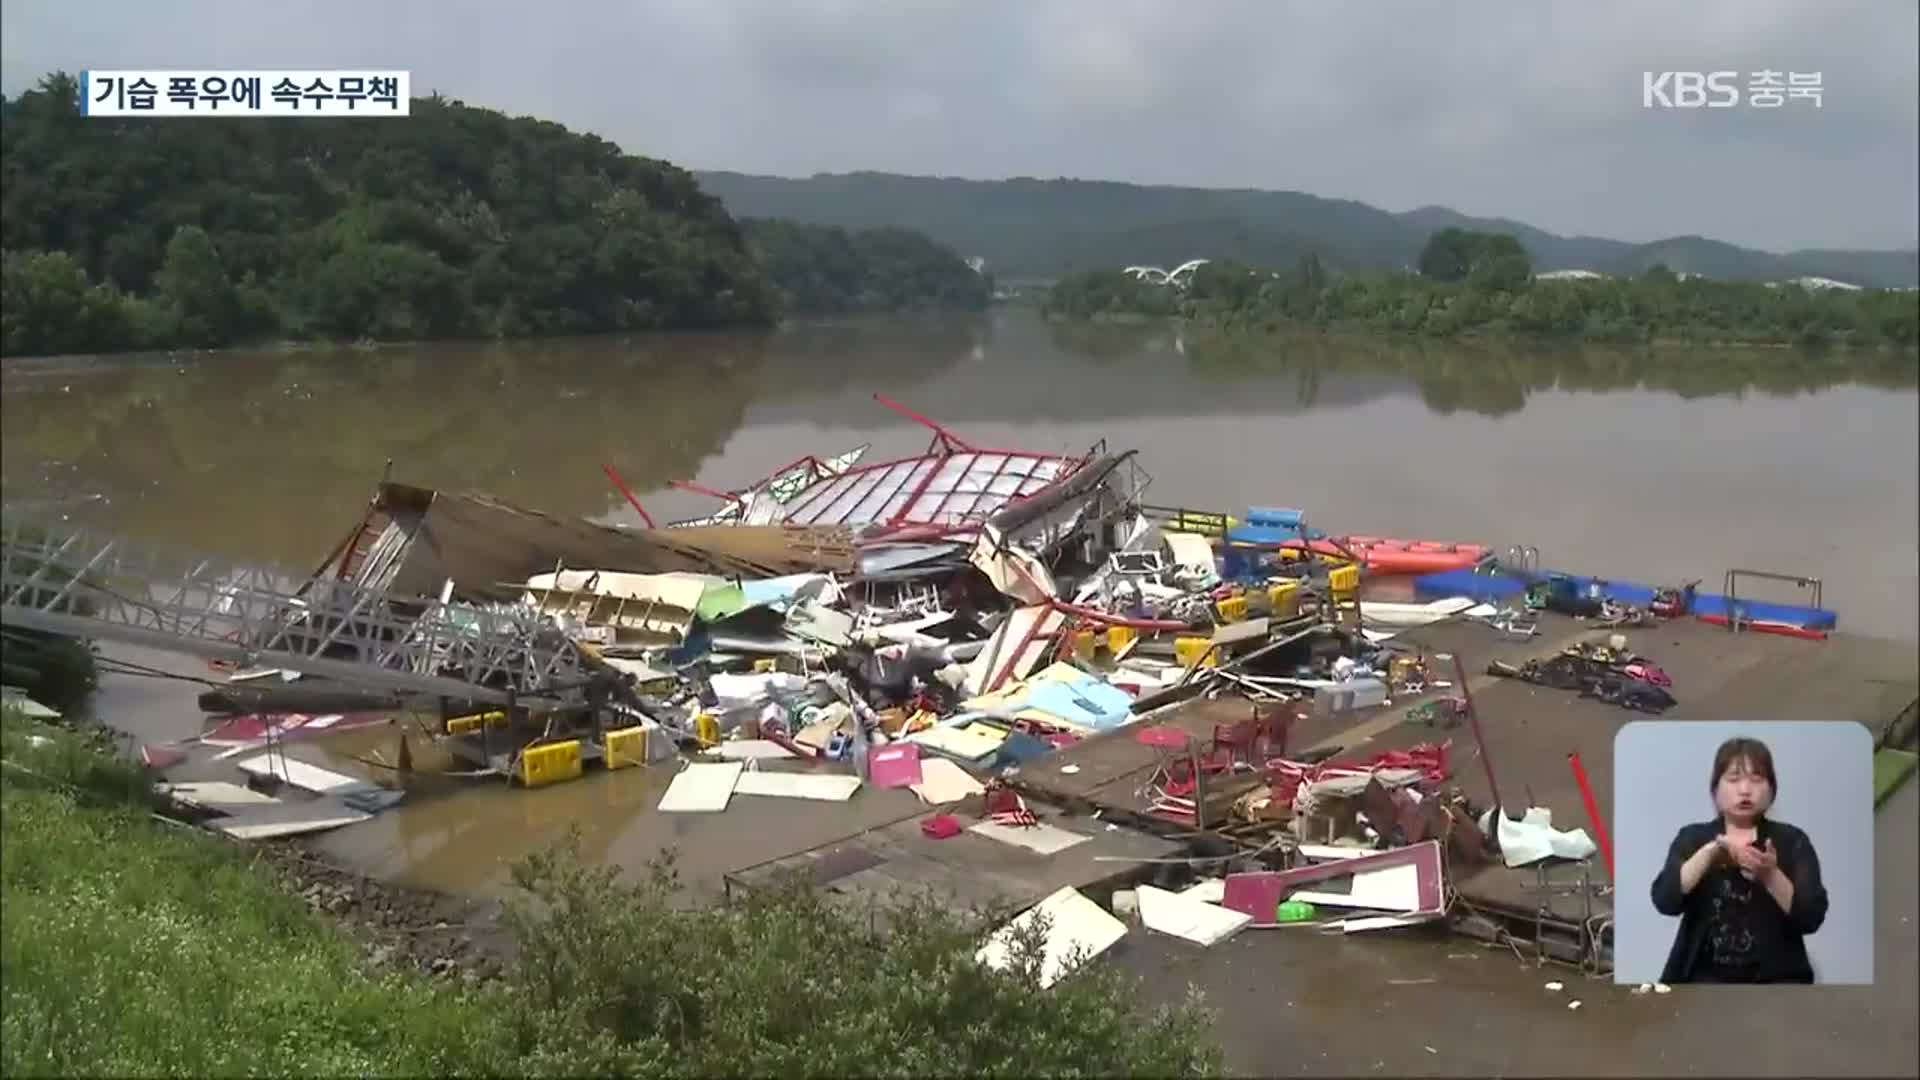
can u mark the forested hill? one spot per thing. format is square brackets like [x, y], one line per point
[1045, 228]
[454, 222]
[825, 270]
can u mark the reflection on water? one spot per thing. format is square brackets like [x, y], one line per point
[250, 453]
[1656, 464]
[1490, 379]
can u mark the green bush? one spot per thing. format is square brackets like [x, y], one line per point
[785, 982]
[131, 948]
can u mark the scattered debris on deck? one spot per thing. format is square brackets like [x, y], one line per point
[1017, 638]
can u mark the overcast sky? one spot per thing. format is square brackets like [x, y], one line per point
[1527, 110]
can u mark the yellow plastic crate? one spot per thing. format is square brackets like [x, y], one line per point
[550, 764]
[1189, 650]
[706, 728]
[627, 746]
[1119, 637]
[1232, 609]
[467, 725]
[1284, 599]
[1344, 579]
[1084, 644]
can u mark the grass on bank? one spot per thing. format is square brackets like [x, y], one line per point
[1891, 768]
[129, 947]
[133, 949]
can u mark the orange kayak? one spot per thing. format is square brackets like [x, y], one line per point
[1386, 555]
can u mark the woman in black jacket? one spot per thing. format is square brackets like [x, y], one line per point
[1746, 887]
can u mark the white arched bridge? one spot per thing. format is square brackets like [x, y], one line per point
[1178, 277]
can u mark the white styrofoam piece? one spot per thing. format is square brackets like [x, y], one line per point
[1207, 891]
[1323, 852]
[215, 794]
[1383, 922]
[701, 788]
[300, 774]
[1533, 838]
[827, 787]
[1185, 917]
[1385, 613]
[1042, 839]
[1390, 888]
[291, 819]
[1075, 924]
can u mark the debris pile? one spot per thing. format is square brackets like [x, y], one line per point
[977, 627]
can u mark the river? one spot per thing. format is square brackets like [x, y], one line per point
[1670, 466]
[1658, 466]
[1666, 466]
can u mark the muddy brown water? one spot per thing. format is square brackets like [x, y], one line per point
[1664, 465]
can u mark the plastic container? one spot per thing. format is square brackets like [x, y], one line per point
[1284, 598]
[1291, 911]
[1187, 651]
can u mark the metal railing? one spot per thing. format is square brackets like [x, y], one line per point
[65, 579]
[1734, 612]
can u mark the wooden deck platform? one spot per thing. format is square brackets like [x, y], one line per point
[1717, 675]
[1530, 730]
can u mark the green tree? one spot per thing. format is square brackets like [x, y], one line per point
[459, 222]
[1500, 296]
[193, 289]
[1448, 255]
[47, 304]
[1493, 261]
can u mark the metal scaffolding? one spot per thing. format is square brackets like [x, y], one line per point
[65, 579]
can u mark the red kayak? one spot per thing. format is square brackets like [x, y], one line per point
[1386, 555]
[1769, 626]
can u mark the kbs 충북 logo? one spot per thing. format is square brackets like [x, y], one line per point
[250, 92]
[1723, 89]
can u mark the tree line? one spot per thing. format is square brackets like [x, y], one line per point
[825, 270]
[1048, 228]
[1472, 283]
[457, 222]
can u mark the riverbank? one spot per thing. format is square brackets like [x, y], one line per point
[1356, 333]
[1503, 301]
[133, 947]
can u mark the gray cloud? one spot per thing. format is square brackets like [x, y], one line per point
[1530, 111]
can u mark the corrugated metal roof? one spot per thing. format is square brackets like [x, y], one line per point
[941, 489]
